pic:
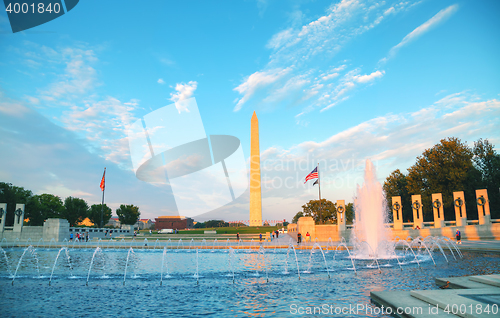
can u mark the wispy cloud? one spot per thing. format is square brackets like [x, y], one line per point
[393, 141]
[300, 59]
[183, 92]
[422, 29]
[104, 124]
[70, 100]
[160, 81]
[256, 81]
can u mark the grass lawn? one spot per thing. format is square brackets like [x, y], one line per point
[232, 230]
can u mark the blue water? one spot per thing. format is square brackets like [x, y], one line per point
[254, 293]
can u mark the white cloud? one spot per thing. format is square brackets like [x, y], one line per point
[183, 92]
[161, 81]
[392, 141]
[256, 81]
[369, 77]
[11, 107]
[422, 29]
[302, 49]
[104, 123]
[78, 78]
[279, 39]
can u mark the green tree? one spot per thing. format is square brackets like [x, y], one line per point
[216, 223]
[349, 213]
[128, 214]
[13, 195]
[444, 168]
[199, 225]
[487, 162]
[42, 207]
[396, 185]
[297, 217]
[94, 214]
[327, 209]
[75, 210]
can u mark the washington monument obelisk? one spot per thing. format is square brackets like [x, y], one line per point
[255, 193]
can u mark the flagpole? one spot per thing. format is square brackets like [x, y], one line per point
[102, 204]
[319, 189]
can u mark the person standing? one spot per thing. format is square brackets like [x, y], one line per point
[238, 237]
[260, 237]
[308, 237]
[459, 237]
[71, 236]
[299, 238]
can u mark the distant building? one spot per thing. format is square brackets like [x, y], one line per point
[114, 222]
[173, 222]
[143, 224]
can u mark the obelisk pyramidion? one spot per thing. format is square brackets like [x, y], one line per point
[255, 189]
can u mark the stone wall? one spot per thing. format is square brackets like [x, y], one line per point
[325, 232]
[35, 233]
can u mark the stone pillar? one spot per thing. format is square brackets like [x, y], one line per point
[483, 207]
[341, 215]
[57, 229]
[18, 218]
[255, 186]
[3, 214]
[306, 224]
[437, 208]
[416, 205]
[397, 213]
[460, 211]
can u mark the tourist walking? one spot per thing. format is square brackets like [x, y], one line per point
[71, 236]
[459, 237]
[299, 238]
[238, 237]
[260, 237]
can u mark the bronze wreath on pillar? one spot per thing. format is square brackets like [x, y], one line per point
[458, 202]
[436, 204]
[481, 201]
[416, 205]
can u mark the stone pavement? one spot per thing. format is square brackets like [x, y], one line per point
[471, 296]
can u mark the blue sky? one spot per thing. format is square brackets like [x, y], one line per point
[335, 82]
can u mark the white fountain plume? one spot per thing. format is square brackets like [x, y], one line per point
[371, 216]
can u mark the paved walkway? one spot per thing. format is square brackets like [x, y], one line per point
[470, 296]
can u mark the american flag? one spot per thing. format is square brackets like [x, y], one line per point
[102, 180]
[312, 175]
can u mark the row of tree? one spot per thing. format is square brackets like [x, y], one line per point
[324, 212]
[211, 224]
[449, 166]
[40, 207]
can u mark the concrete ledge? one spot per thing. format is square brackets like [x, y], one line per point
[493, 280]
[404, 301]
[454, 298]
[459, 282]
